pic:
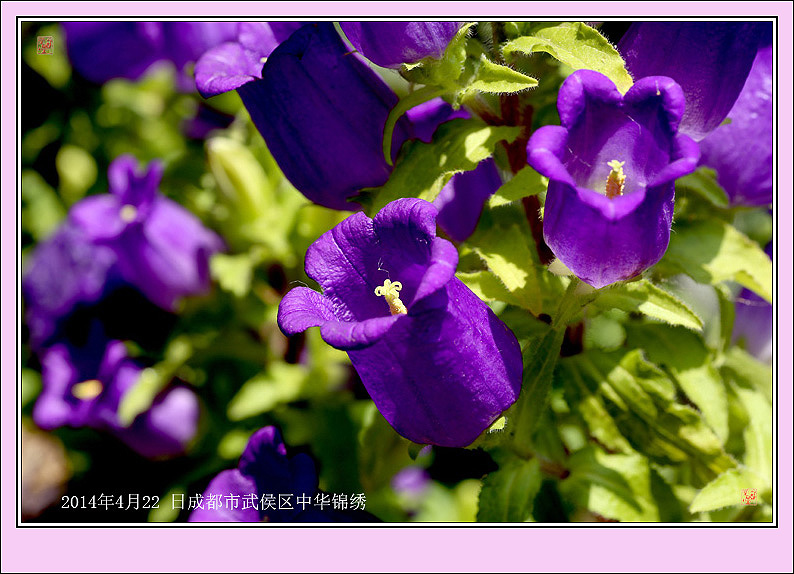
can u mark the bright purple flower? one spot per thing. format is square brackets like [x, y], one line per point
[439, 365]
[83, 386]
[320, 109]
[264, 473]
[392, 44]
[460, 201]
[161, 248]
[741, 151]
[100, 51]
[607, 220]
[709, 60]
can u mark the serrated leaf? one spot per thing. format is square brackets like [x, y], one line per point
[508, 493]
[646, 298]
[703, 181]
[423, 169]
[525, 183]
[692, 366]
[281, 383]
[615, 486]
[492, 78]
[637, 396]
[725, 490]
[575, 44]
[712, 251]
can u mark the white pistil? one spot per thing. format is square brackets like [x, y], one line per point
[87, 390]
[128, 213]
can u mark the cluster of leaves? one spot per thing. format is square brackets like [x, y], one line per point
[635, 406]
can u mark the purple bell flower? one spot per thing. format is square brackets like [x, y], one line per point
[264, 469]
[161, 248]
[392, 44]
[425, 118]
[709, 60]
[437, 362]
[611, 166]
[741, 151]
[83, 386]
[100, 51]
[320, 109]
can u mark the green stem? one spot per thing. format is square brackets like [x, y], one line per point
[420, 96]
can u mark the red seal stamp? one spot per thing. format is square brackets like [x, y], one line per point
[750, 496]
[44, 45]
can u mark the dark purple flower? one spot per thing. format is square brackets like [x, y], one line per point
[161, 248]
[320, 109]
[741, 151]
[439, 365]
[83, 386]
[100, 51]
[460, 201]
[392, 44]
[264, 472]
[425, 118]
[709, 60]
[611, 166]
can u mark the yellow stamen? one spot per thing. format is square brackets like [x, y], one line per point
[128, 213]
[87, 390]
[616, 179]
[390, 291]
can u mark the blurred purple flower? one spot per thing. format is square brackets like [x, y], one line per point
[160, 247]
[754, 322]
[83, 386]
[709, 60]
[320, 109]
[100, 51]
[265, 471]
[741, 151]
[411, 480]
[392, 44]
[609, 221]
[439, 365]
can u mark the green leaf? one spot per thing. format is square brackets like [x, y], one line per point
[493, 78]
[508, 494]
[488, 287]
[575, 44]
[525, 183]
[42, 210]
[712, 251]
[645, 297]
[639, 397]
[232, 272]
[703, 182]
[281, 383]
[691, 364]
[725, 490]
[423, 169]
[615, 486]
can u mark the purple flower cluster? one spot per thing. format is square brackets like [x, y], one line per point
[132, 239]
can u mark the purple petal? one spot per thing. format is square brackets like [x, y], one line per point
[741, 151]
[225, 68]
[461, 200]
[227, 483]
[391, 44]
[322, 111]
[425, 118]
[710, 60]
